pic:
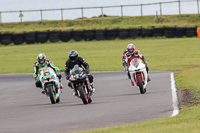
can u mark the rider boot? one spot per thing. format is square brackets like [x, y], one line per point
[148, 79]
[132, 83]
[92, 87]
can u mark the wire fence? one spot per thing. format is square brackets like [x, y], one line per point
[121, 10]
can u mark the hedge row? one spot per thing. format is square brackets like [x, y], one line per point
[88, 35]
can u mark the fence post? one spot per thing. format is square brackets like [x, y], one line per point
[61, 14]
[41, 14]
[20, 15]
[102, 12]
[121, 11]
[141, 10]
[82, 12]
[198, 6]
[0, 18]
[160, 8]
[179, 3]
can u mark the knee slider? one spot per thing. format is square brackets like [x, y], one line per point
[90, 78]
[38, 83]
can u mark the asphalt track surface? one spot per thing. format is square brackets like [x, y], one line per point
[24, 109]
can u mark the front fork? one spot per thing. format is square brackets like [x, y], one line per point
[139, 74]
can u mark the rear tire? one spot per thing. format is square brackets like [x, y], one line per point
[58, 100]
[51, 94]
[142, 90]
[83, 94]
[89, 100]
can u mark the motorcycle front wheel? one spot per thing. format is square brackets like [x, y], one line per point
[142, 89]
[83, 94]
[51, 94]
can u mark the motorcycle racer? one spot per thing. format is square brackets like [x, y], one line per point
[73, 60]
[41, 63]
[131, 53]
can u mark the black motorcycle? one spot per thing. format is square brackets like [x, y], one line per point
[81, 84]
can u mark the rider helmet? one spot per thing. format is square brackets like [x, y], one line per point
[131, 48]
[73, 55]
[41, 58]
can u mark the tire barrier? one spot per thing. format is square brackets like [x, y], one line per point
[77, 35]
[191, 32]
[123, 33]
[134, 32]
[158, 32]
[111, 34]
[88, 35]
[169, 32]
[180, 31]
[147, 32]
[54, 36]
[100, 35]
[30, 37]
[6, 38]
[18, 38]
[42, 37]
[65, 36]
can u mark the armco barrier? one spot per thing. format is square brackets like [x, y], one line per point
[123, 33]
[180, 31]
[100, 35]
[169, 32]
[65, 36]
[105, 34]
[54, 36]
[42, 37]
[134, 32]
[77, 35]
[6, 38]
[18, 38]
[88, 35]
[30, 37]
[111, 34]
[191, 32]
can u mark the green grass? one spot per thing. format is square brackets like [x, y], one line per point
[162, 54]
[102, 23]
[177, 54]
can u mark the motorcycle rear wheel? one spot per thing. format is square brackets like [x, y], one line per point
[142, 89]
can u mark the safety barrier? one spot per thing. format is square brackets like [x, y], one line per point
[198, 31]
[104, 34]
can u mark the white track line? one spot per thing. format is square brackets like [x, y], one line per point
[174, 96]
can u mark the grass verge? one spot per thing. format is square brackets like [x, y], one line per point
[102, 23]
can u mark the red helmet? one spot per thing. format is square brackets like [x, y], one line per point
[131, 48]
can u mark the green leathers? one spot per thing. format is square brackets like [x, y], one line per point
[42, 62]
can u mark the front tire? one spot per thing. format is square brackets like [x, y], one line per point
[83, 94]
[140, 84]
[51, 94]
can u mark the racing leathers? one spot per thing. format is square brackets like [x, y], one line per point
[127, 57]
[36, 71]
[81, 63]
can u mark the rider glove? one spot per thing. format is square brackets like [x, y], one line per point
[87, 71]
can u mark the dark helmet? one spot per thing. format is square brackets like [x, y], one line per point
[41, 58]
[73, 55]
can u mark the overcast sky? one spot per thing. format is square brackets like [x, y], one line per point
[10, 5]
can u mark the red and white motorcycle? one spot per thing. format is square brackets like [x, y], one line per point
[138, 73]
